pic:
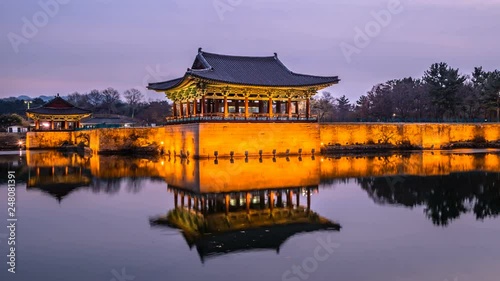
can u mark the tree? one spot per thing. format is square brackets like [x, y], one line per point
[155, 112]
[444, 83]
[79, 100]
[323, 106]
[95, 99]
[491, 95]
[133, 97]
[7, 120]
[344, 108]
[110, 97]
[363, 108]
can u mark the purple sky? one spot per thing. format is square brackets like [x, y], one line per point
[123, 44]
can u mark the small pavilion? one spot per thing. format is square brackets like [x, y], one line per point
[223, 87]
[57, 114]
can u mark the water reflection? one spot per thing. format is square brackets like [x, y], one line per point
[390, 206]
[447, 184]
[445, 198]
[221, 223]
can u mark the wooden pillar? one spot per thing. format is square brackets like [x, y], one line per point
[270, 107]
[308, 200]
[52, 125]
[271, 200]
[247, 114]
[297, 109]
[226, 113]
[182, 199]
[308, 107]
[37, 124]
[227, 204]
[289, 108]
[189, 202]
[203, 205]
[297, 199]
[202, 108]
[248, 201]
[195, 106]
[66, 125]
[289, 200]
[181, 108]
[174, 109]
[77, 124]
[188, 108]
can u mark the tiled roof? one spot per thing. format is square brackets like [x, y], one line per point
[58, 106]
[253, 71]
[108, 119]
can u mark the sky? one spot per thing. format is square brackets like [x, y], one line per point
[63, 46]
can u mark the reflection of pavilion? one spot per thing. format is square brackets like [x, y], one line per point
[220, 223]
[57, 175]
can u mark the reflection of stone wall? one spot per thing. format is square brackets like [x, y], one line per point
[426, 163]
[427, 136]
[207, 177]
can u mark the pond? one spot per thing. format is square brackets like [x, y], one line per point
[405, 216]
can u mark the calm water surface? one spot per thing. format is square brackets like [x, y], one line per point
[421, 216]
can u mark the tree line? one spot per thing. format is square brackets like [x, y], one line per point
[134, 104]
[109, 101]
[442, 94]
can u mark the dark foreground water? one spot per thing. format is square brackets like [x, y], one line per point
[423, 216]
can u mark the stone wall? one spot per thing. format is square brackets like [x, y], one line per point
[204, 139]
[253, 137]
[427, 136]
[46, 140]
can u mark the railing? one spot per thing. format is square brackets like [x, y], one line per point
[407, 120]
[240, 117]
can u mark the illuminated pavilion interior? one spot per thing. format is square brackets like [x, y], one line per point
[57, 114]
[222, 87]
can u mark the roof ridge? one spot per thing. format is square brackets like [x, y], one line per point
[237, 56]
[310, 75]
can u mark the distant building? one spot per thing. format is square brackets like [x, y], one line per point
[241, 88]
[107, 121]
[57, 114]
[17, 129]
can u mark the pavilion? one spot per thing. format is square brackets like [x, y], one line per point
[57, 114]
[241, 88]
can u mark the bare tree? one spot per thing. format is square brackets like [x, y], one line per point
[110, 98]
[133, 97]
[323, 106]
